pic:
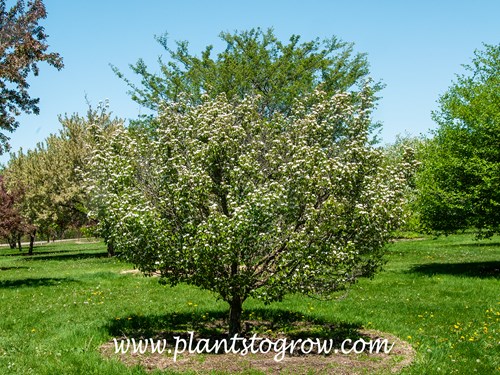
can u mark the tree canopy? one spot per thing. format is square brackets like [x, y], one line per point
[51, 175]
[255, 175]
[253, 62]
[460, 178]
[243, 205]
[22, 46]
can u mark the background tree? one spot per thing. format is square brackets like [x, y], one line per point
[253, 63]
[22, 46]
[51, 175]
[100, 125]
[221, 197]
[460, 178]
[12, 225]
[408, 149]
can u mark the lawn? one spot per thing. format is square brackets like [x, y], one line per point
[60, 305]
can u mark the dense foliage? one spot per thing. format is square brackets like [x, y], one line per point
[407, 148]
[243, 205]
[12, 224]
[460, 179]
[253, 62]
[51, 175]
[22, 46]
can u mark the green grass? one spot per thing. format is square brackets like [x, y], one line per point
[58, 306]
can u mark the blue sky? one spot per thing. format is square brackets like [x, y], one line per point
[414, 47]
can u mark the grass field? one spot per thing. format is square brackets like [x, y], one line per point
[60, 305]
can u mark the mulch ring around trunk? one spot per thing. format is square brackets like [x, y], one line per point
[268, 355]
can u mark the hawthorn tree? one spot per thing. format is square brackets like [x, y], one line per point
[219, 196]
[22, 46]
[407, 148]
[458, 184]
[99, 125]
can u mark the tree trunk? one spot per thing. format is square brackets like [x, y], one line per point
[19, 242]
[12, 242]
[235, 309]
[111, 249]
[32, 241]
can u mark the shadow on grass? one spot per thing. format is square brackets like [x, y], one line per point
[32, 282]
[12, 268]
[73, 256]
[468, 269]
[45, 250]
[475, 244]
[212, 325]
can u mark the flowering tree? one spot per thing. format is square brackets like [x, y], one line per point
[99, 126]
[252, 62]
[50, 176]
[223, 198]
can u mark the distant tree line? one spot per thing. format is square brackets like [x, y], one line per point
[42, 191]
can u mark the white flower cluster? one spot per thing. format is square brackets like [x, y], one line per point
[220, 197]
